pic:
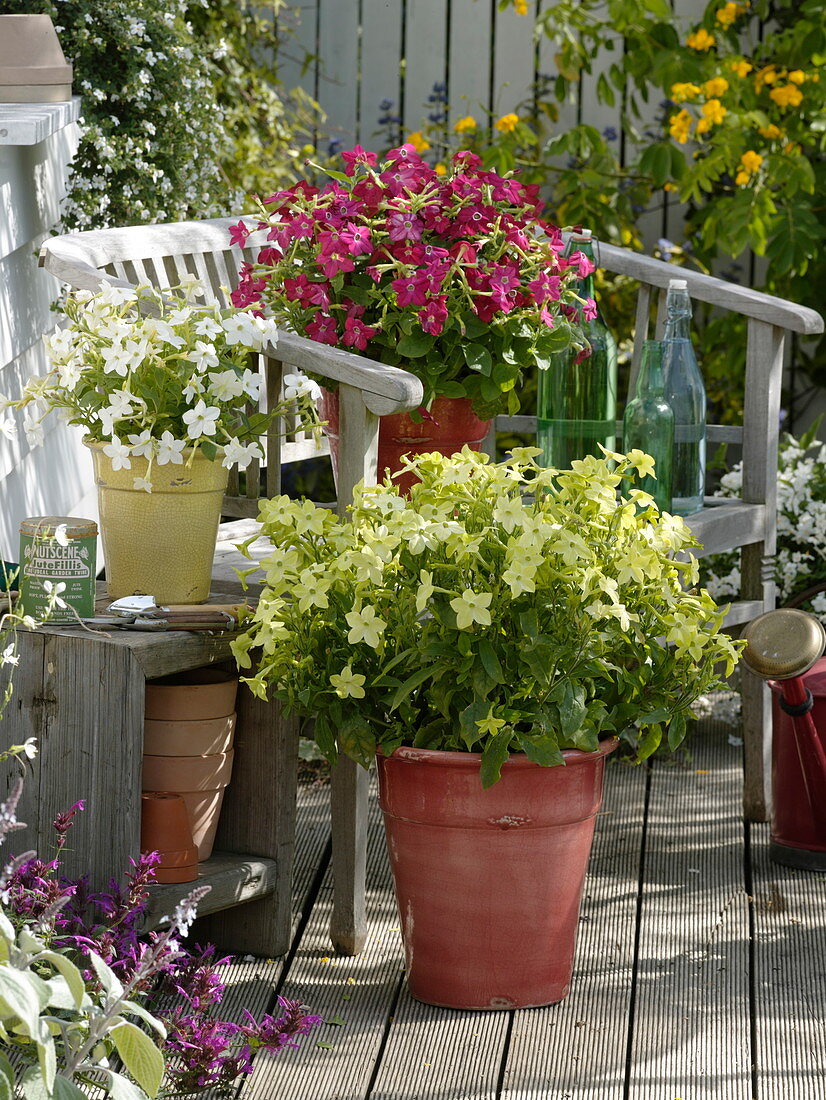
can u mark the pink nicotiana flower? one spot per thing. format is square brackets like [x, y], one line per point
[357, 334]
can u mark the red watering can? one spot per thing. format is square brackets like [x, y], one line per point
[785, 647]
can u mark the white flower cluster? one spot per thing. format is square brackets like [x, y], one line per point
[153, 375]
[801, 525]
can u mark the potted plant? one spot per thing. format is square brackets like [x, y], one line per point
[452, 276]
[503, 620]
[168, 397]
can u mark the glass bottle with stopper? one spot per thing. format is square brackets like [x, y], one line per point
[577, 396]
[648, 425]
[686, 394]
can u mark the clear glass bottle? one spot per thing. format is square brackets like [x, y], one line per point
[686, 394]
[577, 402]
[648, 424]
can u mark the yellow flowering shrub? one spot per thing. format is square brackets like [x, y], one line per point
[700, 40]
[466, 125]
[500, 608]
[507, 123]
[786, 95]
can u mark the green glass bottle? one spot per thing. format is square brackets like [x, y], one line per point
[577, 402]
[686, 394]
[648, 425]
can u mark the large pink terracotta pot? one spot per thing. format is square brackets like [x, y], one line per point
[489, 882]
[452, 424]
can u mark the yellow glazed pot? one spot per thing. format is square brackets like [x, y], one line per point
[161, 543]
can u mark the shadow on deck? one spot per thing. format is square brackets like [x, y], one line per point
[699, 972]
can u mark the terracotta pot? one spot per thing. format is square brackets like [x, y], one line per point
[165, 829]
[161, 543]
[200, 737]
[200, 781]
[201, 693]
[33, 68]
[453, 425]
[489, 882]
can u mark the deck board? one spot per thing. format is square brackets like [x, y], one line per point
[576, 1050]
[686, 1006]
[790, 977]
[691, 1014]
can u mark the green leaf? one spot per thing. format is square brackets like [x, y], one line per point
[494, 755]
[676, 731]
[468, 718]
[64, 1089]
[490, 661]
[6, 1069]
[415, 345]
[136, 1009]
[542, 750]
[107, 977]
[335, 1021]
[46, 1055]
[649, 742]
[572, 708]
[121, 1088]
[73, 977]
[140, 1056]
[6, 927]
[410, 684]
[5, 1089]
[32, 1085]
[478, 357]
[357, 740]
[18, 998]
[325, 1046]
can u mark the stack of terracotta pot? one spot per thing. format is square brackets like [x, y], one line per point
[188, 733]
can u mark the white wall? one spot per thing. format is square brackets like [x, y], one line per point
[37, 143]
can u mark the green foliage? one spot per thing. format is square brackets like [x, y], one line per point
[182, 111]
[268, 129]
[152, 130]
[64, 1028]
[740, 139]
[501, 608]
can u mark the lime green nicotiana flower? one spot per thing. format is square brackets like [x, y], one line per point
[348, 684]
[472, 607]
[365, 626]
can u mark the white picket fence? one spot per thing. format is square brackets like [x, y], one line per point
[366, 52]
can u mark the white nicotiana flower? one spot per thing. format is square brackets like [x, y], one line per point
[115, 296]
[170, 449]
[9, 657]
[240, 454]
[33, 428]
[142, 444]
[226, 385]
[192, 287]
[208, 327]
[252, 382]
[8, 428]
[118, 453]
[201, 420]
[143, 483]
[194, 387]
[299, 385]
[203, 355]
[158, 329]
[53, 591]
[60, 536]
[116, 360]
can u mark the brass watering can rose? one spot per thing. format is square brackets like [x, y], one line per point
[783, 643]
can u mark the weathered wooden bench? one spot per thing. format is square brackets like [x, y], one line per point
[161, 254]
[750, 523]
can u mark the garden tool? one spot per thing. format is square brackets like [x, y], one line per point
[785, 647]
[141, 613]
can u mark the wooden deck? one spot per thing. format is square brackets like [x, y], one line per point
[699, 973]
